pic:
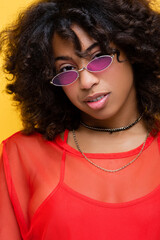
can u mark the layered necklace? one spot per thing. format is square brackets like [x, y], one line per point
[110, 130]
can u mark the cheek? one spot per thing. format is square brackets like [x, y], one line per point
[71, 92]
[122, 78]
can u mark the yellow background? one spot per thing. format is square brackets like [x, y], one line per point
[9, 116]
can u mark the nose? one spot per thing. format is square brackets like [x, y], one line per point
[87, 79]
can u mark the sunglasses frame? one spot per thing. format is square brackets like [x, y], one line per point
[80, 70]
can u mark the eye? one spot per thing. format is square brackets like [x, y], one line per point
[66, 68]
[99, 54]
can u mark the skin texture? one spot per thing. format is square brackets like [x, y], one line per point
[31, 62]
[116, 81]
[120, 107]
[42, 105]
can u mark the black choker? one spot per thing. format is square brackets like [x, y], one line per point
[111, 130]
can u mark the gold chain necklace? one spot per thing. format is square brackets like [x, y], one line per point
[104, 169]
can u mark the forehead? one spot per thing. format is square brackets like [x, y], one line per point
[84, 38]
[64, 46]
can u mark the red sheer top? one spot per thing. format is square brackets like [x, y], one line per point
[49, 191]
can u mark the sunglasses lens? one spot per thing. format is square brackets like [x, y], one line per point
[65, 78]
[99, 64]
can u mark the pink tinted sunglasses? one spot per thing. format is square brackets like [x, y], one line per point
[96, 65]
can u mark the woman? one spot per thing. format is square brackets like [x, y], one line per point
[87, 164]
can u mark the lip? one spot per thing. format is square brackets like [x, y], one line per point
[94, 96]
[97, 105]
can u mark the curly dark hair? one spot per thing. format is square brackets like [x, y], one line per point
[132, 25]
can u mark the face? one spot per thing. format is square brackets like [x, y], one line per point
[99, 96]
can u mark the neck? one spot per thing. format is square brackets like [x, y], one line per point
[102, 142]
[112, 130]
[116, 121]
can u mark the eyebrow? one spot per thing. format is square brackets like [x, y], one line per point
[86, 51]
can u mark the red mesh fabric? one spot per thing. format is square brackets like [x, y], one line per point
[131, 183]
[49, 191]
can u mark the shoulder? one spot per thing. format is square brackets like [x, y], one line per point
[29, 148]
[21, 140]
[28, 155]
[19, 137]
